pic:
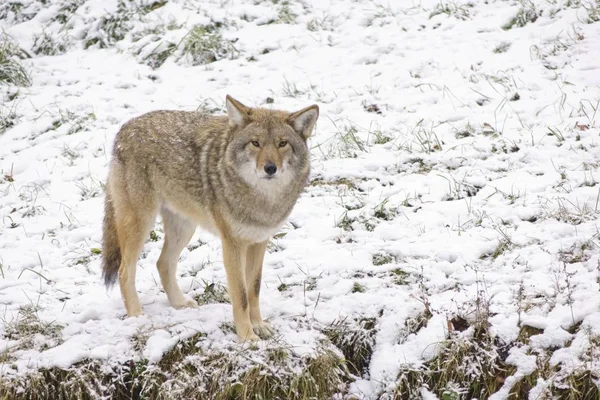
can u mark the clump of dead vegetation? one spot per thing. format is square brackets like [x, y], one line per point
[193, 371]
[355, 338]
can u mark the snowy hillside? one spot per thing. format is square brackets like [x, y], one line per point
[447, 246]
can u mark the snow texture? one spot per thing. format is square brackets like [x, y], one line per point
[453, 161]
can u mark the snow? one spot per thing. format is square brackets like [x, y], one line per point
[449, 201]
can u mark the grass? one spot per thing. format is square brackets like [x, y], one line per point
[75, 122]
[471, 362]
[190, 371]
[111, 28]
[459, 189]
[355, 338]
[285, 15]
[213, 293]
[469, 365]
[66, 10]
[502, 47]
[345, 143]
[383, 258]
[47, 45]
[204, 44]
[527, 14]
[426, 138]
[8, 117]
[579, 383]
[358, 288]
[452, 9]
[90, 188]
[592, 7]
[160, 54]
[27, 328]
[12, 72]
[324, 23]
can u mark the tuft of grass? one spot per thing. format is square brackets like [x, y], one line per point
[572, 212]
[426, 138]
[204, 44]
[355, 338]
[383, 258]
[451, 9]
[502, 47]
[527, 13]
[154, 236]
[213, 293]
[414, 324]
[285, 15]
[27, 327]
[336, 182]
[47, 45]
[290, 89]
[576, 253]
[345, 143]
[345, 222]
[159, 54]
[382, 138]
[400, 277]
[12, 72]
[90, 188]
[384, 211]
[504, 244]
[467, 366]
[75, 122]
[111, 28]
[324, 23]
[467, 131]
[67, 9]
[358, 288]
[458, 190]
[8, 117]
[592, 8]
[574, 384]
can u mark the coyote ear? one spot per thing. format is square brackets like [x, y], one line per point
[237, 112]
[303, 121]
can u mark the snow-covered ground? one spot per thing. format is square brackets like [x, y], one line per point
[455, 175]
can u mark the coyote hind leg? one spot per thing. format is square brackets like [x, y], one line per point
[135, 213]
[178, 232]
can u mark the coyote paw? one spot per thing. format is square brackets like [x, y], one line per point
[250, 338]
[136, 312]
[263, 329]
[184, 303]
[247, 335]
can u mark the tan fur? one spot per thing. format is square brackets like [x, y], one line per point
[213, 171]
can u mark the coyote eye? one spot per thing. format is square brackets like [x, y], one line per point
[255, 143]
[283, 143]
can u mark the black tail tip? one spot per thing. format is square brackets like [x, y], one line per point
[110, 274]
[110, 278]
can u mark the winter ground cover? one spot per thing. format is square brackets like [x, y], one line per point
[447, 246]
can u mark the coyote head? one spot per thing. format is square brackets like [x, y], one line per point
[268, 147]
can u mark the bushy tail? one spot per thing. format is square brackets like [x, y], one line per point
[111, 252]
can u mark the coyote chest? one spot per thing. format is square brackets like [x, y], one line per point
[253, 233]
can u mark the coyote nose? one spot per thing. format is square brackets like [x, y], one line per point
[270, 169]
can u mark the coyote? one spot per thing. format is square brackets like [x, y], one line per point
[237, 176]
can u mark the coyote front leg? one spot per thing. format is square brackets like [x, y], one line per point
[234, 258]
[254, 264]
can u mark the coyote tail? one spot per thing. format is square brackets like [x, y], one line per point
[111, 252]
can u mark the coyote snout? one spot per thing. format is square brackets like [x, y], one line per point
[237, 176]
[270, 169]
